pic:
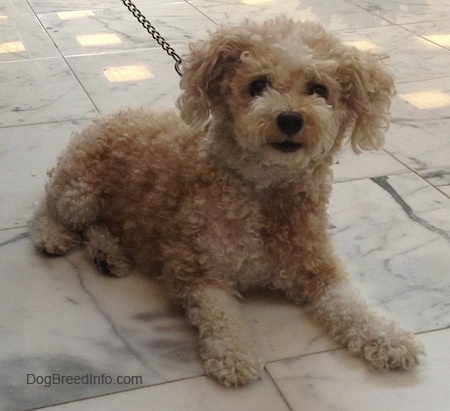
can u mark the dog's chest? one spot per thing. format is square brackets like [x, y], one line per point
[248, 239]
[233, 244]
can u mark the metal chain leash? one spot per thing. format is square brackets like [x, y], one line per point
[154, 33]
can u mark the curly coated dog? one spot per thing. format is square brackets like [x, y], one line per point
[233, 194]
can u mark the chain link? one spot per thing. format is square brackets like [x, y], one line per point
[154, 33]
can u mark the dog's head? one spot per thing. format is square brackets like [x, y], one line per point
[287, 92]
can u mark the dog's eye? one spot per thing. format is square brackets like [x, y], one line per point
[258, 87]
[318, 89]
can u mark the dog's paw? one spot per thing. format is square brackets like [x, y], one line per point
[229, 365]
[106, 252]
[392, 349]
[110, 267]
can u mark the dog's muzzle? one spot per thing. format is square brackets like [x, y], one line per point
[290, 123]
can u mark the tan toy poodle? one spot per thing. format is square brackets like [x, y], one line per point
[232, 195]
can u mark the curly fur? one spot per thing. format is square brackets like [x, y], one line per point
[216, 204]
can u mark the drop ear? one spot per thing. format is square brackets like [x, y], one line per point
[367, 90]
[205, 69]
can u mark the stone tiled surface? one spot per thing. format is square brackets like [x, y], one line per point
[390, 214]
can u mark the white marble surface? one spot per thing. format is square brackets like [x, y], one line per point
[401, 12]
[396, 244]
[193, 394]
[15, 8]
[116, 29]
[419, 133]
[336, 15]
[157, 86]
[23, 37]
[428, 61]
[390, 214]
[318, 382]
[41, 91]
[26, 153]
[434, 31]
[438, 177]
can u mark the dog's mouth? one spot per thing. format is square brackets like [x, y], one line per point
[287, 146]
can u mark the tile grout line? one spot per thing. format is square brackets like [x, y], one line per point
[416, 173]
[337, 349]
[66, 62]
[39, 123]
[110, 394]
[274, 382]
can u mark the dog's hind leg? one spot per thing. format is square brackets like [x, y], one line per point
[226, 343]
[106, 251]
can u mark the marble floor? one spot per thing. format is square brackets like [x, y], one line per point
[62, 62]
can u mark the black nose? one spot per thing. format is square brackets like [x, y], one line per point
[290, 122]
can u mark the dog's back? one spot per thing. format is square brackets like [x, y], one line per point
[123, 172]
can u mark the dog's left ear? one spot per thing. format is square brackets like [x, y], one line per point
[367, 90]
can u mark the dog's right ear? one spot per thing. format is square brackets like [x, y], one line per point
[205, 69]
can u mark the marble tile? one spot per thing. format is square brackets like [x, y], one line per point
[129, 79]
[336, 15]
[445, 190]
[351, 166]
[13, 9]
[439, 177]
[200, 394]
[418, 135]
[27, 97]
[281, 328]
[24, 38]
[116, 29]
[393, 234]
[411, 56]
[27, 152]
[437, 32]
[48, 6]
[60, 316]
[403, 11]
[336, 381]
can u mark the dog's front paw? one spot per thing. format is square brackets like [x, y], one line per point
[392, 348]
[230, 365]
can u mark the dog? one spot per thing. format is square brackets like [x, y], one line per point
[230, 194]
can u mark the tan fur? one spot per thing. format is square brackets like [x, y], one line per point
[213, 208]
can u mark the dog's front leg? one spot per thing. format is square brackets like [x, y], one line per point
[353, 324]
[226, 344]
